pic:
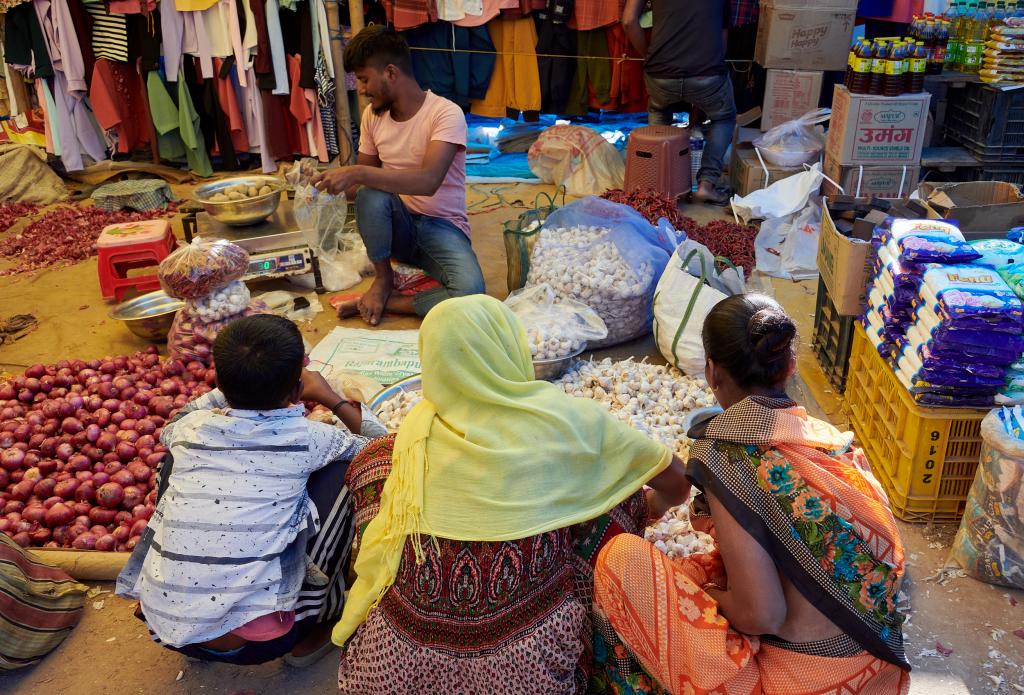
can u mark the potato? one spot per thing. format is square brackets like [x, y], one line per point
[219, 198]
[265, 190]
[235, 195]
[253, 191]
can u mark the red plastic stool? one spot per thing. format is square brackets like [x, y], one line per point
[129, 246]
[658, 158]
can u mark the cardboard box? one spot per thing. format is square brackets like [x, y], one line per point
[789, 94]
[800, 35]
[887, 181]
[981, 208]
[746, 173]
[870, 130]
[844, 263]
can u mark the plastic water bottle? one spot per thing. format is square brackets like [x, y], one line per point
[696, 152]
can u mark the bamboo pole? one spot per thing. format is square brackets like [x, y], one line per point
[346, 155]
[357, 21]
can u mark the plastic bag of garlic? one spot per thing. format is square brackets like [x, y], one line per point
[607, 256]
[555, 327]
[653, 399]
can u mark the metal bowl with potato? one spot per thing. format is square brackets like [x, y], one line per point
[241, 200]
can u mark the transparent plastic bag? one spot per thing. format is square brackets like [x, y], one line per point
[795, 142]
[191, 338]
[555, 327]
[321, 218]
[607, 256]
[197, 269]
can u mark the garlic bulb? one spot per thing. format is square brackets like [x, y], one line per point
[584, 264]
[675, 536]
[650, 398]
[220, 304]
[393, 410]
[547, 342]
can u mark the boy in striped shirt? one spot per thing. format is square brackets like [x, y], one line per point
[253, 491]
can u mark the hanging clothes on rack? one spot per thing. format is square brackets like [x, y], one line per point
[24, 43]
[489, 10]
[255, 122]
[628, 92]
[409, 14]
[75, 134]
[81, 22]
[109, 32]
[460, 77]
[228, 101]
[119, 105]
[593, 72]
[277, 53]
[515, 82]
[596, 14]
[554, 37]
[307, 114]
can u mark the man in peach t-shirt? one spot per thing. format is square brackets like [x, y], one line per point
[411, 181]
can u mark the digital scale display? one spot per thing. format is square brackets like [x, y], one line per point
[285, 263]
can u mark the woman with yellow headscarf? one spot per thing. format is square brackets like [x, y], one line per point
[488, 507]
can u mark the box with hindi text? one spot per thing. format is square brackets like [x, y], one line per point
[869, 130]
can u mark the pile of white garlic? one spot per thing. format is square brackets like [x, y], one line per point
[548, 342]
[675, 536]
[653, 399]
[393, 410]
[584, 264]
[220, 304]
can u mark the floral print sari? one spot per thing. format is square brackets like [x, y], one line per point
[796, 485]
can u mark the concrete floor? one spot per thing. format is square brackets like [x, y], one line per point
[109, 650]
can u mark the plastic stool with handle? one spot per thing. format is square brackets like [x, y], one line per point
[129, 246]
[658, 158]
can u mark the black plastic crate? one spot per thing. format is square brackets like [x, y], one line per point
[1007, 174]
[833, 338]
[986, 120]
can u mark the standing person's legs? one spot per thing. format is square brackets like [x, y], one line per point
[446, 254]
[387, 230]
[713, 95]
[663, 97]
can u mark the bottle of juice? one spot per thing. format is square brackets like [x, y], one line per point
[918, 66]
[974, 46]
[879, 60]
[963, 34]
[860, 77]
[954, 16]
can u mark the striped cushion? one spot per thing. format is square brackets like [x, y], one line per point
[39, 606]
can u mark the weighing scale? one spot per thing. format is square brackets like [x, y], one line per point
[276, 247]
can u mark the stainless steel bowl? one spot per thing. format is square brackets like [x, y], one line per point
[239, 213]
[148, 316]
[410, 383]
[549, 370]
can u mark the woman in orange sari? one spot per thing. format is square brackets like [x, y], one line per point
[799, 597]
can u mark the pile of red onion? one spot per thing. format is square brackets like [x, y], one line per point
[65, 235]
[80, 443]
[12, 212]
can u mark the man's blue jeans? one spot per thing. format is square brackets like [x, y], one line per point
[436, 245]
[712, 95]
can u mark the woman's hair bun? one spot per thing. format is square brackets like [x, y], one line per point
[771, 334]
[752, 338]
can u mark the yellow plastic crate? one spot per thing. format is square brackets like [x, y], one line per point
[925, 458]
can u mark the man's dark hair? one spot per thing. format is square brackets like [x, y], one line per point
[259, 361]
[377, 47]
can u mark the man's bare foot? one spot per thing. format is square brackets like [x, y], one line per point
[708, 194]
[373, 303]
[349, 309]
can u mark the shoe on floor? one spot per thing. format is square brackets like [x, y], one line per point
[311, 658]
